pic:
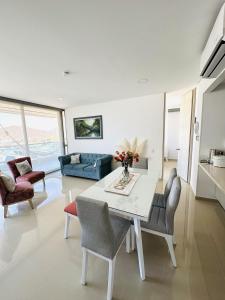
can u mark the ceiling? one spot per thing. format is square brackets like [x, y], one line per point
[107, 45]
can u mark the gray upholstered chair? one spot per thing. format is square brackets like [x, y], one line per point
[160, 199]
[102, 234]
[141, 164]
[161, 220]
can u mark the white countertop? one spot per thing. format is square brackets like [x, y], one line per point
[137, 203]
[216, 174]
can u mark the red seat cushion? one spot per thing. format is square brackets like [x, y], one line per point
[32, 177]
[23, 191]
[71, 208]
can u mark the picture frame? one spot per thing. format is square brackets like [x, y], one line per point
[90, 127]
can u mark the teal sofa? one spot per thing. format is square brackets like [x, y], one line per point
[92, 165]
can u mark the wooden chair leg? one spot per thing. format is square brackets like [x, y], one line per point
[5, 211]
[31, 203]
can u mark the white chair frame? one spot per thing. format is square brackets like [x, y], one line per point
[170, 239]
[44, 185]
[67, 224]
[111, 262]
[87, 251]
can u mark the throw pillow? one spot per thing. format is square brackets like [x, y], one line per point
[8, 182]
[23, 167]
[75, 159]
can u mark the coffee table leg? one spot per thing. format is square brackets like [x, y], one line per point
[137, 229]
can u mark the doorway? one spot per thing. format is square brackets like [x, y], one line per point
[178, 133]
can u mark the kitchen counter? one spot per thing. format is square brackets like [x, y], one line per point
[217, 175]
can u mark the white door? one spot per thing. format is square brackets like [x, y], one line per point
[173, 121]
[185, 134]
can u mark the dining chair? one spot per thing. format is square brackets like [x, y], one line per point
[161, 220]
[141, 164]
[160, 199]
[70, 212]
[102, 235]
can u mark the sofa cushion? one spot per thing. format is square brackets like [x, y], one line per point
[8, 182]
[90, 158]
[77, 167]
[90, 168]
[75, 159]
[12, 165]
[23, 167]
[80, 167]
[32, 177]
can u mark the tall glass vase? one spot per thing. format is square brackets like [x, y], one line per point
[126, 171]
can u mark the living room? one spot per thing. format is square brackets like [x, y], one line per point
[93, 203]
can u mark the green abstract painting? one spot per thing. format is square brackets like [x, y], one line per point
[88, 127]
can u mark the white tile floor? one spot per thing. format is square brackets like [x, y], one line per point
[37, 263]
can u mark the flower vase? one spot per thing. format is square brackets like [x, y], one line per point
[126, 171]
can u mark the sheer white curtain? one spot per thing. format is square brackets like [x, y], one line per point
[33, 131]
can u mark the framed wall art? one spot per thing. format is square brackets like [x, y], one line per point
[88, 127]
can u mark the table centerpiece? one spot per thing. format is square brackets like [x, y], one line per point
[126, 158]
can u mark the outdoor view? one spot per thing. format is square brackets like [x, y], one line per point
[29, 131]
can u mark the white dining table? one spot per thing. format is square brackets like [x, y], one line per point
[135, 206]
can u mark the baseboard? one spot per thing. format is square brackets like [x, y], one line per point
[170, 159]
[204, 198]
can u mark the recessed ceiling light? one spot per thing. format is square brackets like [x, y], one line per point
[60, 98]
[66, 73]
[143, 80]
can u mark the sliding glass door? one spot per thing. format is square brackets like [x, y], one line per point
[32, 131]
[12, 141]
[44, 137]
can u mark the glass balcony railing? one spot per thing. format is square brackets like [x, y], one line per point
[44, 156]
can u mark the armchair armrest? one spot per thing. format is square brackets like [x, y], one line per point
[103, 166]
[103, 160]
[64, 160]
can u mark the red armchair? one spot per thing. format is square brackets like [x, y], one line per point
[23, 191]
[32, 177]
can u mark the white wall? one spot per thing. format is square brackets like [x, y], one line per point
[140, 117]
[201, 88]
[213, 122]
[212, 136]
[173, 100]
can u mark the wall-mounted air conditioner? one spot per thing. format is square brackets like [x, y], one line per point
[213, 56]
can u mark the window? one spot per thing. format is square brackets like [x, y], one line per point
[12, 140]
[32, 131]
